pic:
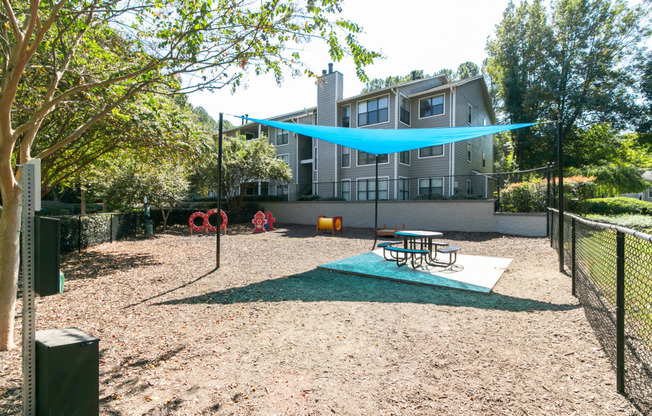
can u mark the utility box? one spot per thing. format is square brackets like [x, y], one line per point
[47, 278]
[67, 373]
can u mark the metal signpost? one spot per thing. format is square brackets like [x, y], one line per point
[30, 183]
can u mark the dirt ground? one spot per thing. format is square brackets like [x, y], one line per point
[269, 334]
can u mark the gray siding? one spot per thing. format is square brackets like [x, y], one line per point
[330, 89]
[471, 94]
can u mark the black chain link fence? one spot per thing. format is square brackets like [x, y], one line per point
[611, 268]
[78, 232]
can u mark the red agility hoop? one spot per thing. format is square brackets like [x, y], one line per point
[191, 221]
[206, 224]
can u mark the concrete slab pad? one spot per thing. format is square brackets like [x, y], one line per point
[473, 273]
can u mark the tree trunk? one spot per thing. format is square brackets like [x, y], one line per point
[82, 205]
[9, 263]
[166, 215]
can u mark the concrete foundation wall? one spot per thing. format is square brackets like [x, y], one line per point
[469, 216]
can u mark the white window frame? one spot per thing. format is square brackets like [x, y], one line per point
[469, 187]
[357, 111]
[279, 132]
[409, 108]
[342, 183]
[443, 184]
[368, 179]
[369, 164]
[469, 118]
[469, 150]
[443, 152]
[484, 160]
[409, 153]
[434, 115]
[350, 152]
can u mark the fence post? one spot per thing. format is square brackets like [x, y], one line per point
[573, 252]
[552, 221]
[79, 235]
[111, 228]
[547, 198]
[620, 312]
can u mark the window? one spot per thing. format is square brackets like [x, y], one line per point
[431, 106]
[365, 158]
[285, 158]
[403, 189]
[249, 136]
[346, 157]
[346, 190]
[431, 186]
[282, 137]
[469, 187]
[404, 111]
[468, 151]
[372, 111]
[431, 151]
[484, 160]
[346, 116]
[470, 116]
[367, 189]
[404, 157]
[282, 190]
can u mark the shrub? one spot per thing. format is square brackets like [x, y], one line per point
[615, 206]
[633, 221]
[309, 198]
[530, 196]
[432, 197]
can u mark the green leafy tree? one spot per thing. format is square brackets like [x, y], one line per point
[164, 184]
[142, 46]
[450, 74]
[570, 63]
[378, 83]
[243, 163]
[467, 69]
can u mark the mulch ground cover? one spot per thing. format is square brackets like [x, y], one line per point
[268, 333]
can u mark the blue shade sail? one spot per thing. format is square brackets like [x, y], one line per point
[383, 141]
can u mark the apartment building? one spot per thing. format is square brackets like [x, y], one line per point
[333, 171]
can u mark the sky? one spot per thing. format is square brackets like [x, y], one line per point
[411, 34]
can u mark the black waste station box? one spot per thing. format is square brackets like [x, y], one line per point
[47, 278]
[67, 373]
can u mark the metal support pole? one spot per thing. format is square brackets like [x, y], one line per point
[620, 312]
[376, 209]
[219, 191]
[560, 167]
[29, 330]
[573, 258]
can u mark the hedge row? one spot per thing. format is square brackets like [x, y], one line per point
[83, 231]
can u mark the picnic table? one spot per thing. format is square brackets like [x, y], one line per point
[418, 246]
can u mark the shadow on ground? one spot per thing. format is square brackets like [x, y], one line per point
[92, 264]
[325, 286]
